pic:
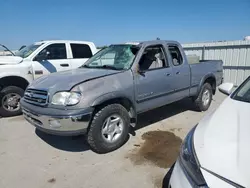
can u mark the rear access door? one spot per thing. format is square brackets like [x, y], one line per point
[181, 71]
[80, 53]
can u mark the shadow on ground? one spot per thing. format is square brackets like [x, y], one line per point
[66, 143]
[164, 112]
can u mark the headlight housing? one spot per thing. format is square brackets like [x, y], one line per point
[66, 98]
[189, 162]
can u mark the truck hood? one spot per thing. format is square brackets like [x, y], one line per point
[64, 81]
[8, 60]
[221, 142]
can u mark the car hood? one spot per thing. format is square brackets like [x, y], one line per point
[222, 139]
[65, 80]
[7, 60]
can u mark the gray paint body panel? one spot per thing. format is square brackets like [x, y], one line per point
[153, 89]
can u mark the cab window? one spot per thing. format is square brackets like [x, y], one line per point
[55, 51]
[81, 51]
[152, 58]
[175, 55]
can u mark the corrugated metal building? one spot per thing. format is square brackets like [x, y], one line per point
[235, 55]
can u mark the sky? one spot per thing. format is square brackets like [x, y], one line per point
[104, 22]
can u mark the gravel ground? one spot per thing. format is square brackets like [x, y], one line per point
[29, 158]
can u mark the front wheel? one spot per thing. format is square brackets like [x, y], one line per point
[204, 98]
[109, 128]
[10, 101]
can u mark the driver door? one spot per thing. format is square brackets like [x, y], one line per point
[55, 60]
[154, 83]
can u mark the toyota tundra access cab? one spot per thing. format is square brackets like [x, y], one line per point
[33, 61]
[103, 97]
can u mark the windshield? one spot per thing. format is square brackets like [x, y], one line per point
[243, 92]
[26, 51]
[118, 57]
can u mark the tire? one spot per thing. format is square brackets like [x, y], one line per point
[199, 101]
[96, 138]
[19, 92]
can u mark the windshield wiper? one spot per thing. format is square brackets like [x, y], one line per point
[110, 67]
[7, 49]
[102, 67]
[84, 66]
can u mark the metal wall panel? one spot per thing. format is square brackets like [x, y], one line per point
[234, 54]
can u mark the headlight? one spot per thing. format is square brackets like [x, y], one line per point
[189, 162]
[66, 98]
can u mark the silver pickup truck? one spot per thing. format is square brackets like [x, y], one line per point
[103, 97]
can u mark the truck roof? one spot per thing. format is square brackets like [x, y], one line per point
[153, 42]
[64, 41]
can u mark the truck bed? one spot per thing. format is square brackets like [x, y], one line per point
[204, 67]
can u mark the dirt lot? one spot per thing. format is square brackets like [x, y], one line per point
[29, 158]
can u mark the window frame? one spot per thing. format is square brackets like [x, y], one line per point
[170, 55]
[71, 49]
[234, 94]
[166, 64]
[34, 59]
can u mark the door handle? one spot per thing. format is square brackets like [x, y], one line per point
[64, 65]
[168, 74]
[38, 72]
[178, 72]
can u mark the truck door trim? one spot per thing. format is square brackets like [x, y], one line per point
[151, 96]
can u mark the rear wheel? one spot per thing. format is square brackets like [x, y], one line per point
[109, 128]
[10, 101]
[204, 98]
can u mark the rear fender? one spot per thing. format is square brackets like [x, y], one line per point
[203, 80]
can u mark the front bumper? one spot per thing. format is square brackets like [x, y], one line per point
[57, 121]
[178, 178]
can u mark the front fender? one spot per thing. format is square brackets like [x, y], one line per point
[111, 96]
[24, 72]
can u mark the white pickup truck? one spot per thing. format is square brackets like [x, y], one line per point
[33, 61]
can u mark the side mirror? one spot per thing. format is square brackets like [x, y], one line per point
[226, 88]
[43, 55]
[139, 70]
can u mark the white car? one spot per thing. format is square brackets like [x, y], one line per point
[33, 61]
[216, 152]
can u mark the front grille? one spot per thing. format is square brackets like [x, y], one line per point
[35, 96]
